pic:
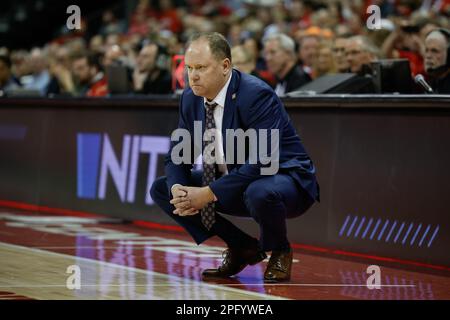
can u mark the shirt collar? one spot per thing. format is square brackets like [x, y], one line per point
[222, 95]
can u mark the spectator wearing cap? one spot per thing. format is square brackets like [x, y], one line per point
[279, 52]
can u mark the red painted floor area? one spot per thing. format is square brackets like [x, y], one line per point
[173, 253]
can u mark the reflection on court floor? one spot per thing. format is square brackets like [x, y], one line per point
[116, 261]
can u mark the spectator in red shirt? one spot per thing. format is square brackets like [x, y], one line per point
[88, 74]
[405, 43]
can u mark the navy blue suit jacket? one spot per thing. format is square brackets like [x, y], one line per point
[250, 103]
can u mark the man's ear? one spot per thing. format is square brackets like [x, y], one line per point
[226, 63]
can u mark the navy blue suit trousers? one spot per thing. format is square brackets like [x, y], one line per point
[269, 200]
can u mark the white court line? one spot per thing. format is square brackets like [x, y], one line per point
[137, 247]
[224, 285]
[143, 271]
[85, 247]
[194, 283]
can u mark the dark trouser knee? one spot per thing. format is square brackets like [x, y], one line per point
[262, 202]
[161, 196]
[267, 207]
[159, 190]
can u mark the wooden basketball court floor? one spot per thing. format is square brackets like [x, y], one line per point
[42, 256]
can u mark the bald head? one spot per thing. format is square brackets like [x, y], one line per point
[436, 44]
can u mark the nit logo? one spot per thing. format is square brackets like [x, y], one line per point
[96, 158]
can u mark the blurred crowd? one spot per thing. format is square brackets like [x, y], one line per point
[286, 43]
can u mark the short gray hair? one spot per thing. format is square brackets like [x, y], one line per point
[286, 42]
[218, 44]
[438, 35]
[366, 45]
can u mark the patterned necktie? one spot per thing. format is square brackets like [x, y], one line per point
[209, 167]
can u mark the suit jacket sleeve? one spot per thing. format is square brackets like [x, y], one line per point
[178, 173]
[263, 112]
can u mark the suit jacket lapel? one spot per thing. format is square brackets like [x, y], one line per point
[202, 113]
[230, 107]
[199, 116]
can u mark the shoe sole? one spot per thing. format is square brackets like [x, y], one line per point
[276, 281]
[257, 259]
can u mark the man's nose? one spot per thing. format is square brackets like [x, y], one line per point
[194, 74]
[194, 78]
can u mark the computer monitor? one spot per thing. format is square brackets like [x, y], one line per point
[392, 76]
[337, 83]
[118, 82]
[23, 92]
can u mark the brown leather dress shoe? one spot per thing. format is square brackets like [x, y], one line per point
[279, 267]
[235, 260]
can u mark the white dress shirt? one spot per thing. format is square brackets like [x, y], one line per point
[218, 118]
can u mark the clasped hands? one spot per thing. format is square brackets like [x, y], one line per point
[189, 200]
